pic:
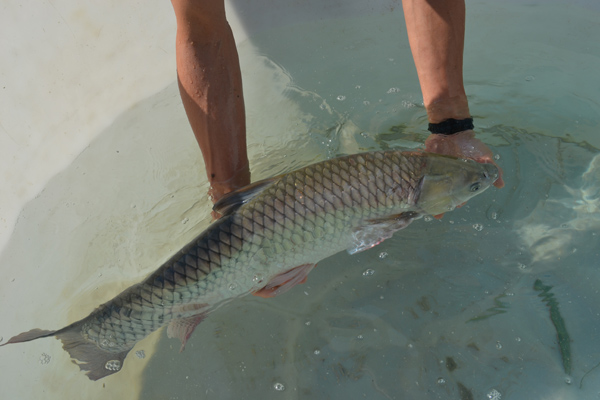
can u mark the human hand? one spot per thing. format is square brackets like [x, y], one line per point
[220, 188]
[464, 145]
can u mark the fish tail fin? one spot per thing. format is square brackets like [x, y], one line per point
[96, 362]
[29, 336]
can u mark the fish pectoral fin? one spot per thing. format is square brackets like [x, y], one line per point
[283, 282]
[376, 231]
[233, 200]
[182, 328]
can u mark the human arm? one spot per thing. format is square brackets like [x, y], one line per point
[210, 84]
[436, 31]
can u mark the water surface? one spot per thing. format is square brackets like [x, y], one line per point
[467, 307]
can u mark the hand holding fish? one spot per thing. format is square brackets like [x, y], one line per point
[463, 145]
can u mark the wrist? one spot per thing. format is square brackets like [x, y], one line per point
[444, 108]
[451, 126]
[239, 178]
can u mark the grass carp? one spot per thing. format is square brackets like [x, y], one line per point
[271, 235]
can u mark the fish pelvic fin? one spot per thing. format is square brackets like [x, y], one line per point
[283, 282]
[233, 200]
[96, 362]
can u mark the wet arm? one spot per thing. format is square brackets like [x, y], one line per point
[210, 84]
[436, 33]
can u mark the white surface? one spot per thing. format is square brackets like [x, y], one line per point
[66, 71]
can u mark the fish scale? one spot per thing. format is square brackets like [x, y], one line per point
[270, 236]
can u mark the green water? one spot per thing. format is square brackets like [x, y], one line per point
[444, 310]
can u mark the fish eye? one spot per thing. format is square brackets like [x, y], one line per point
[475, 187]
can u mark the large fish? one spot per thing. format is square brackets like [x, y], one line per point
[271, 235]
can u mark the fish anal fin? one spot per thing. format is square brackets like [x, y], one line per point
[375, 231]
[182, 328]
[233, 200]
[283, 282]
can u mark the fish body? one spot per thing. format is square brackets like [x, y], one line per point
[272, 233]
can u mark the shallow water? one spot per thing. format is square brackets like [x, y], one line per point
[445, 309]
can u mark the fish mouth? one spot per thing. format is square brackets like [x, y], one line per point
[491, 172]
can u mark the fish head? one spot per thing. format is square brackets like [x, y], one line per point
[449, 182]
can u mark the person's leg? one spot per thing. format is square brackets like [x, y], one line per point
[210, 83]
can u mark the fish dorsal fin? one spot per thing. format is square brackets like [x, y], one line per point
[376, 231]
[233, 200]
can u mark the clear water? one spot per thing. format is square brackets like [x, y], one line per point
[445, 309]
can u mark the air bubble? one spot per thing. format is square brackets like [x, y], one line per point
[494, 395]
[357, 87]
[113, 365]
[518, 339]
[257, 278]
[279, 386]
[522, 266]
[383, 255]
[568, 380]
[530, 78]
[427, 218]
[393, 90]
[44, 359]
[140, 354]
[185, 220]
[307, 323]
[369, 272]
[341, 97]
[232, 286]
[478, 227]
[498, 345]
[317, 352]
[441, 381]
[360, 337]
[496, 157]
[366, 102]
